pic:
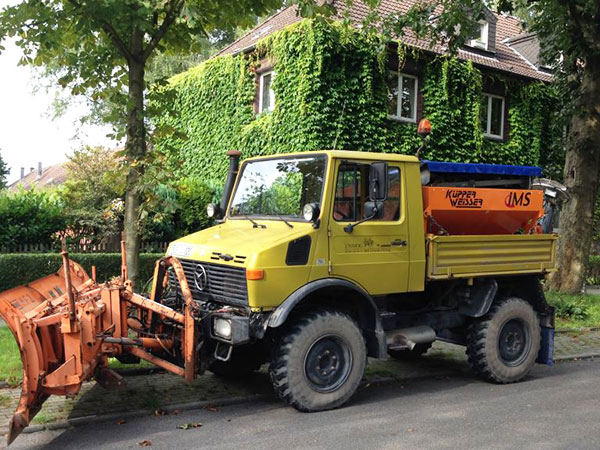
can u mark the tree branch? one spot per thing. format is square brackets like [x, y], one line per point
[172, 14]
[109, 30]
[581, 24]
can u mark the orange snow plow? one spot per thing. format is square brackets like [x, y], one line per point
[67, 326]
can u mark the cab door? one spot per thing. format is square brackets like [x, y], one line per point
[375, 254]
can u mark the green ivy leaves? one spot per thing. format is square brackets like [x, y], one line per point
[330, 89]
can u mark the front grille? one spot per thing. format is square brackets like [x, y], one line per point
[225, 284]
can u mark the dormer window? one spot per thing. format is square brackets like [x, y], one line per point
[481, 38]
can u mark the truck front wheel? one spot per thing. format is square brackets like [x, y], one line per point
[319, 362]
[503, 345]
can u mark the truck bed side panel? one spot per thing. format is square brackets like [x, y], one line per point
[484, 255]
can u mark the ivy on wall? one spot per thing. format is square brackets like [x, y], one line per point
[330, 90]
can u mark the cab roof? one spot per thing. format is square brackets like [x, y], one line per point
[346, 154]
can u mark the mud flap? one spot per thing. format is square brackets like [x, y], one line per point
[19, 307]
[546, 353]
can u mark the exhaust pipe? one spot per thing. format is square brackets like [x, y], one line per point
[234, 164]
[407, 338]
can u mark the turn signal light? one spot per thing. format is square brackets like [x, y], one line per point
[255, 274]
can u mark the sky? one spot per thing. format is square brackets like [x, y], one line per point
[28, 134]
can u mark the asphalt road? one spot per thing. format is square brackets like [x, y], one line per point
[555, 407]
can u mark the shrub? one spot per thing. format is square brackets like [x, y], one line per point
[175, 210]
[18, 269]
[31, 217]
[571, 307]
[193, 196]
[593, 272]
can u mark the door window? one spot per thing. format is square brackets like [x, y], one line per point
[351, 189]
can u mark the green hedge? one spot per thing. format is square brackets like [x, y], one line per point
[17, 269]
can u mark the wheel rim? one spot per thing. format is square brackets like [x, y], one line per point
[327, 363]
[514, 342]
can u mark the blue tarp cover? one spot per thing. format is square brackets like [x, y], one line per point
[490, 169]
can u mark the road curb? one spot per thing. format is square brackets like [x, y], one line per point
[577, 330]
[588, 355]
[87, 420]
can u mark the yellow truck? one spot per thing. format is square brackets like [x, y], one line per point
[317, 261]
[321, 259]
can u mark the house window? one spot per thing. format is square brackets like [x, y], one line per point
[266, 93]
[492, 116]
[403, 97]
[480, 39]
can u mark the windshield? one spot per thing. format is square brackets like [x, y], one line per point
[279, 187]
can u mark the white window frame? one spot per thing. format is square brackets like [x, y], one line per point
[488, 122]
[400, 80]
[482, 41]
[271, 92]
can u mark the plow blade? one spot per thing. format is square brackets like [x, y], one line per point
[34, 313]
[67, 327]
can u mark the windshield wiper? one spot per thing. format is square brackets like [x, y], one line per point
[254, 224]
[285, 221]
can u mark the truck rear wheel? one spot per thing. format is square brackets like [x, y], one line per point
[503, 345]
[410, 355]
[319, 363]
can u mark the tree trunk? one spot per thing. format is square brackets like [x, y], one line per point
[582, 167]
[136, 151]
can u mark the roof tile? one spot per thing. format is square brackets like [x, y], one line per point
[505, 59]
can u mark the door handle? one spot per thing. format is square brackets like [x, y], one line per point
[399, 243]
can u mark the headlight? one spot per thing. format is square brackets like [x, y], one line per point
[222, 328]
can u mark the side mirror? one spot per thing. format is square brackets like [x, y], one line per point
[371, 211]
[213, 211]
[378, 181]
[310, 212]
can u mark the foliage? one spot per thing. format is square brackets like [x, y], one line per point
[101, 48]
[18, 269]
[193, 196]
[575, 310]
[570, 40]
[176, 209]
[569, 307]
[452, 98]
[208, 110]
[93, 194]
[4, 170]
[331, 92]
[593, 270]
[11, 368]
[93, 56]
[31, 217]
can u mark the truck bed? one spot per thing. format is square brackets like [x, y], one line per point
[466, 256]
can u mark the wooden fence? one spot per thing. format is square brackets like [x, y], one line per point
[146, 247]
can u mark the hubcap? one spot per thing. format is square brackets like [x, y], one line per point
[514, 342]
[327, 363]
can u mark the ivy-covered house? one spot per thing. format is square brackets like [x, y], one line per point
[293, 84]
